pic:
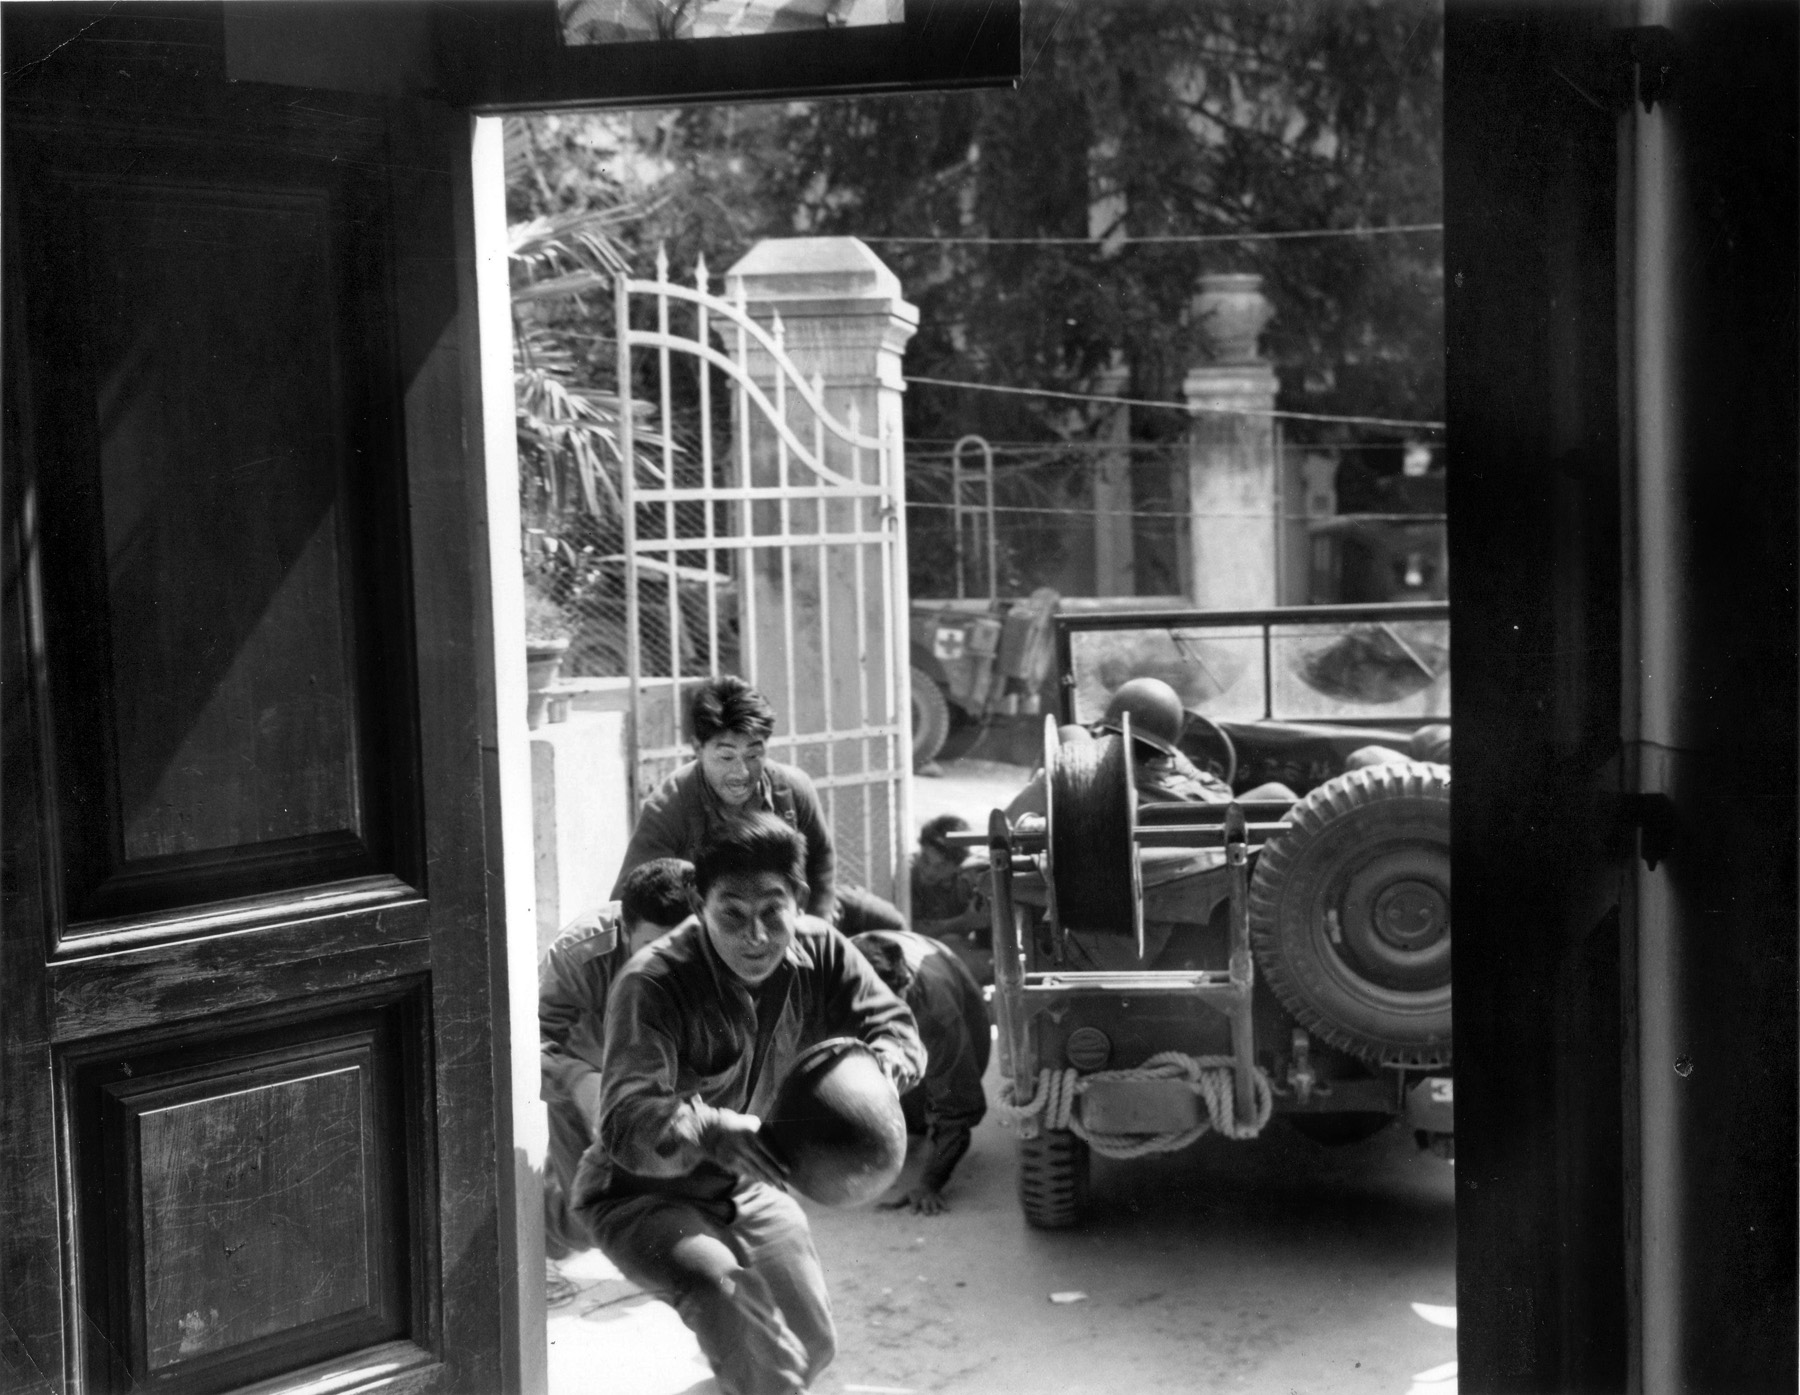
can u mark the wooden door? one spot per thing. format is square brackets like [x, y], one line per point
[246, 998]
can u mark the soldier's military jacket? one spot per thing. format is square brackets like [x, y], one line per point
[574, 978]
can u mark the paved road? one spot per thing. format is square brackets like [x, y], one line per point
[971, 788]
[1274, 1266]
[1271, 1266]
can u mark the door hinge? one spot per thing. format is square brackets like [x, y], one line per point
[1652, 817]
[1643, 65]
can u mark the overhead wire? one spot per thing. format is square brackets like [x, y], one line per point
[1128, 239]
[920, 447]
[1121, 240]
[1191, 408]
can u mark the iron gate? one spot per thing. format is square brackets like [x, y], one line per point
[769, 545]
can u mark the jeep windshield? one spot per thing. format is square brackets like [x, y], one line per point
[1383, 665]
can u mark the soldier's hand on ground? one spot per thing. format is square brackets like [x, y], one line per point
[735, 1141]
[921, 1201]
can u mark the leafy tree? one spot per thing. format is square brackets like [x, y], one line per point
[1142, 118]
[568, 407]
[1167, 118]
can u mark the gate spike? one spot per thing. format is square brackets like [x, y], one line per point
[700, 278]
[662, 260]
[778, 330]
[855, 418]
[818, 385]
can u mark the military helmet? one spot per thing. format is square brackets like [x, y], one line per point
[837, 1124]
[1431, 743]
[1157, 716]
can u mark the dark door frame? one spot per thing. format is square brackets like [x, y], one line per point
[1551, 1252]
[1623, 546]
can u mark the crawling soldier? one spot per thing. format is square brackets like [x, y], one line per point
[949, 901]
[574, 978]
[947, 1005]
[680, 1190]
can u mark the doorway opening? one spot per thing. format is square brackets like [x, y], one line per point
[941, 418]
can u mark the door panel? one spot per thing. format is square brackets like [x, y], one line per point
[222, 632]
[251, 1192]
[232, 696]
[245, 1038]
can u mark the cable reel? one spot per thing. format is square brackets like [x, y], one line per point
[1092, 868]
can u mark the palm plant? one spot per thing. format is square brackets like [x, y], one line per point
[568, 413]
[571, 452]
[569, 440]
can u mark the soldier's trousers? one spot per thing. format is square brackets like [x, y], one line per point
[563, 1230]
[743, 1274]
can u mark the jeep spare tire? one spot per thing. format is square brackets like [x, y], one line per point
[1350, 913]
[930, 718]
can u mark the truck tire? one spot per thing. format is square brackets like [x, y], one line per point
[1053, 1179]
[930, 718]
[1350, 913]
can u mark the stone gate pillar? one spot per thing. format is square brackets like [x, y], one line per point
[1233, 467]
[843, 315]
[844, 319]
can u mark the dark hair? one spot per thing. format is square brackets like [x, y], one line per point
[936, 833]
[727, 704]
[882, 949]
[656, 892]
[745, 846]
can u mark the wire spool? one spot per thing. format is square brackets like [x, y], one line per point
[1093, 866]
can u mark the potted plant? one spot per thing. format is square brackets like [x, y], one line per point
[547, 631]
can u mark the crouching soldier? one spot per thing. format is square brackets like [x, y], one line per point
[574, 978]
[731, 776]
[946, 1003]
[949, 896]
[681, 1190]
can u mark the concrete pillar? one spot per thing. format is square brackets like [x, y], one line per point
[1115, 562]
[844, 320]
[1233, 464]
[844, 316]
[581, 820]
[1309, 496]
